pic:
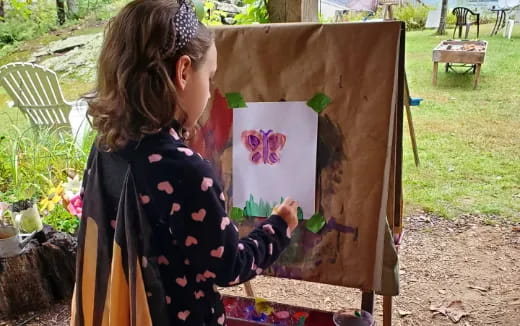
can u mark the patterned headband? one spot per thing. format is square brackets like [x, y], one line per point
[186, 24]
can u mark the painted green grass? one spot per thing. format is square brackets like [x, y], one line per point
[469, 140]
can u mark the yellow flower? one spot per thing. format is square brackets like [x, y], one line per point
[58, 190]
[44, 203]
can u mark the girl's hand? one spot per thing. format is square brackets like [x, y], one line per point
[288, 212]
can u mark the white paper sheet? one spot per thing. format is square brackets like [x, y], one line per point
[294, 175]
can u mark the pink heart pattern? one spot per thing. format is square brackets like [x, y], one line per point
[163, 260]
[217, 253]
[199, 216]
[154, 158]
[225, 222]
[175, 208]
[168, 300]
[191, 241]
[181, 281]
[208, 274]
[206, 183]
[166, 187]
[183, 315]
[200, 278]
[186, 261]
[144, 199]
[241, 246]
[199, 294]
[174, 134]
[221, 319]
[268, 228]
[185, 150]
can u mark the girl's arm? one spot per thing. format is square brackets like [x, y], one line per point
[211, 242]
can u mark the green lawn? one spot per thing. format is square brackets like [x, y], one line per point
[469, 140]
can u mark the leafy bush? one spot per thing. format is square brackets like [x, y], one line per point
[413, 16]
[256, 12]
[23, 22]
[30, 162]
[62, 220]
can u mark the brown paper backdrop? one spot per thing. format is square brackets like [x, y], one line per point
[356, 65]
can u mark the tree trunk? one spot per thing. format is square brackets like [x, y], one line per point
[282, 11]
[43, 274]
[60, 8]
[2, 12]
[72, 9]
[442, 24]
[310, 10]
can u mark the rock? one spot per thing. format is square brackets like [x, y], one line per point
[79, 62]
[228, 7]
[229, 21]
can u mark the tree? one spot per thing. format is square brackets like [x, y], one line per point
[442, 24]
[60, 8]
[2, 12]
[281, 11]
[72, 9]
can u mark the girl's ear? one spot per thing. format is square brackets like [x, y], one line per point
[183, 69]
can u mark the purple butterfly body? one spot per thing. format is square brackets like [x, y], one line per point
[265, 146]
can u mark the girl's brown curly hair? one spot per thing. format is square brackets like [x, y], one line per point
[135, 93]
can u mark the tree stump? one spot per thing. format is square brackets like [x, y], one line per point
[43, 274]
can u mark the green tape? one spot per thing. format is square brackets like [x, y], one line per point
[316, 223]
[237, 215]
[235, 101]
[299, 213]
[199, 9]
[319, 102]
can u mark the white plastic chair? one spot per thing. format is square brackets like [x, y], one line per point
[35, 90]
[511, 23]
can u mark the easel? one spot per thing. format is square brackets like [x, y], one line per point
[403, 101]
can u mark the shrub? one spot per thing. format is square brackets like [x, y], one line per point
[413, 16]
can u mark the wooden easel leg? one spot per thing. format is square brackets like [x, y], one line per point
[249, 289]
[477, 75]
[410, 121]
[367, 301]
[387, 311]
[434, 77]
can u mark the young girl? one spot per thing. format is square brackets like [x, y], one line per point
[155, 240]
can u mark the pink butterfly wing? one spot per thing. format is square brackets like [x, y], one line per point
[252, 140]
[276, 143]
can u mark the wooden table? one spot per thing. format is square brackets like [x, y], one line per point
[461, 52]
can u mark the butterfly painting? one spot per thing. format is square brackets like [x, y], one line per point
[265, 146]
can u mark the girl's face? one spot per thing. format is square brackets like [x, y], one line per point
[194, 85]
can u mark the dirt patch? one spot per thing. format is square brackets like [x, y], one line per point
[441, 262]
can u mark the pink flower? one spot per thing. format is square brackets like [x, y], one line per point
[75, 205]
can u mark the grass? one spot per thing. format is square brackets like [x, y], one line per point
[468, 139]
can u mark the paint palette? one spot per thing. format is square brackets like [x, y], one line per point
[245, 311]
